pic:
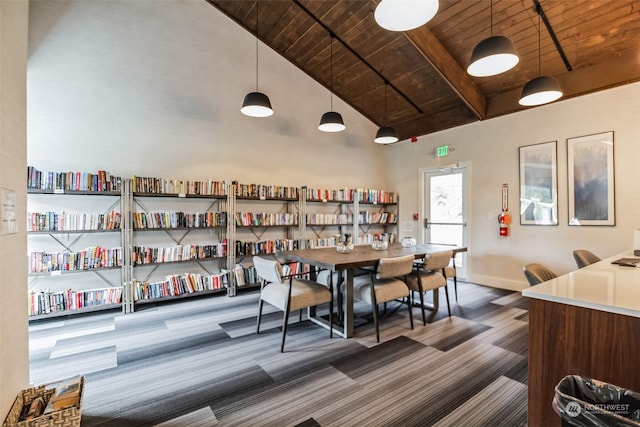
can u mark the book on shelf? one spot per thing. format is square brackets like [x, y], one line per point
[263, 247]
[100, 181]
[151, 185]
[89, 258]
[46, 301]
[64, 221]
[260, 191]
[152, 255]
[180, 284]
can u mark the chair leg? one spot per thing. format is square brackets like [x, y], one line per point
[455, 286]
[424, 321]
[300, 315]
[259, 315]
[446, 293]
[410, 303]
[284, 328]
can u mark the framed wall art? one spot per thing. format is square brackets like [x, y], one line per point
[539, 184]
[590, 176]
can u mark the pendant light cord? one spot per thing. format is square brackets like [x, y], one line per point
[257, 38]
[384, 120]
[331, 70]
[490, 13]
[539, 31]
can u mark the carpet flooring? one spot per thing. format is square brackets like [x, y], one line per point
[199, 362]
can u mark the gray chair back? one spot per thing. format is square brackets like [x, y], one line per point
[583, 257]
[538, 273]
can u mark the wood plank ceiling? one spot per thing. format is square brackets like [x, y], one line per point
[425, 69]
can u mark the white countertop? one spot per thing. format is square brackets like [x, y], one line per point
[601, 286]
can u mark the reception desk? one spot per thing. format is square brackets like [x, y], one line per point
[587, 323]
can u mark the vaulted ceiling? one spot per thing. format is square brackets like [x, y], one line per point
[424, 70]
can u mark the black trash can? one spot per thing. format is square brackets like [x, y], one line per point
[582, 401]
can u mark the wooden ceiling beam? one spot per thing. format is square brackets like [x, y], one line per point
[440, 59]
[622, 70]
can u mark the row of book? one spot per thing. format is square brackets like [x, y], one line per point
[260, 191]
[87, 259]
[104, 181]
[368, 195]
[151, 185]
[72, 181]
[46, 301]
[262, 247]
[153, 255]
[367, 239]
[342, 195]
[265, 219]
[64, 221]
[179, 284]
[329, 219]
[377, 218]
[246, 275]
[146, 220]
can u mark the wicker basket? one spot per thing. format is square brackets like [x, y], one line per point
[68, 417]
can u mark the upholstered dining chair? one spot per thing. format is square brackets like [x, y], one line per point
[289, 293]
[583, 257]
[386, 283]
[538, 273]
[430, 275]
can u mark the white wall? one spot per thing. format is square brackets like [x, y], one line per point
[14, 350]
[491, 147]
[154, 88]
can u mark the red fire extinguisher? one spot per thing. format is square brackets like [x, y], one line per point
[504, 219]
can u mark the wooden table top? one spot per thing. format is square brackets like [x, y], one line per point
[361, 256]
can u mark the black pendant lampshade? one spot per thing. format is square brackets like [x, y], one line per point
[256, 104]
[331, 121]
[386, 135]
[492, 56]
[541, 90]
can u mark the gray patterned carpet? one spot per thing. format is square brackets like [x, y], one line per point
[198, 362]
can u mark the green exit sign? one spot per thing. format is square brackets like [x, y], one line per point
[442, 151]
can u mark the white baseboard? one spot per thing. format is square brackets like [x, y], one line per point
[497, 282]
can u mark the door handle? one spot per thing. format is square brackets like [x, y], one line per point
[427, 223]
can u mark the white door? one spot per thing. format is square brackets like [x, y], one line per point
[444, 194]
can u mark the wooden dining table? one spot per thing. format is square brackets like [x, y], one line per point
[362, 256]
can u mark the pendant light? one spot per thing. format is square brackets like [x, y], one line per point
[256, 104]
[542, 89]
[492, 56]
[386, 134]
[404, 15]
[331, 121]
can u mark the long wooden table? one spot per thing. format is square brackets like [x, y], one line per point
[361, 256]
